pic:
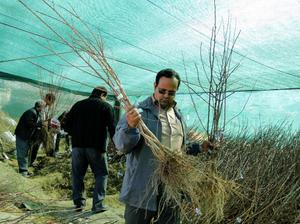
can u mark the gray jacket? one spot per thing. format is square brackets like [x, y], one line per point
[137, 189]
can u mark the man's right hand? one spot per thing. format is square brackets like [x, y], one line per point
[45, 123]
[133, 116]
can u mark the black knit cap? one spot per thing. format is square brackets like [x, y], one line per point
[98, 91]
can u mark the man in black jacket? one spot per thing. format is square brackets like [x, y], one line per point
[88, 123]
[27, 125]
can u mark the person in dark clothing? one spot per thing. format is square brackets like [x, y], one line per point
[89, 122]
[27, 125]
[62, 134]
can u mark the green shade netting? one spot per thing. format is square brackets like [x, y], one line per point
[142, 37]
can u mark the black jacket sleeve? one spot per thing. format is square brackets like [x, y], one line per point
[193, 148]
[110, 121]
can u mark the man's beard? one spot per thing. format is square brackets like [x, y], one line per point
[165, 104]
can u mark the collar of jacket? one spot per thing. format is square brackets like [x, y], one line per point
[94, 97]
[149, 104]
[35, 111]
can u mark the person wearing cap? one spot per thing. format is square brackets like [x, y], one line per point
[25, 129]
[88, 123]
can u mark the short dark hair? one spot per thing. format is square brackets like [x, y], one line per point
[99, 91]
[168, 73]
[39, 104]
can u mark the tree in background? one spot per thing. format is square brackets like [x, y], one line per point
[217, 72]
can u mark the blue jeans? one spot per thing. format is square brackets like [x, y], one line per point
[81, 158]
[22, 147]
